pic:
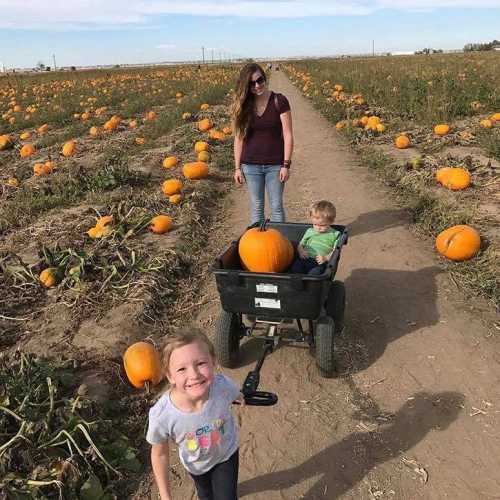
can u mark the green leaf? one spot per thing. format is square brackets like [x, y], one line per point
[91, 489]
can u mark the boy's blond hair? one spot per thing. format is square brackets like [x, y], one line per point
[324, 209]
[182, 337]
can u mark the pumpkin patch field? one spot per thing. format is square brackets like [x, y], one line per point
[430, 127]
[105, 206]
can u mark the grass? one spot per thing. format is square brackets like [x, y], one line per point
[424, 89]
[65, 189]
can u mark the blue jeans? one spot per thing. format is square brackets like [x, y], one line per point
[261, 178]
[307, 266]
[220, 482]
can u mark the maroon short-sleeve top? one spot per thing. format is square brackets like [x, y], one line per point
[263, 143]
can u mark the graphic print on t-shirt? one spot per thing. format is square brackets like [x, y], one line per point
[205, 436]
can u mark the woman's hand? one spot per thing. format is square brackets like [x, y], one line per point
[284, 174]
[238, 176]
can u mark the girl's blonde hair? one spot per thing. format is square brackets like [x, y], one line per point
[182, 337]
[325, 209]
[243, 101]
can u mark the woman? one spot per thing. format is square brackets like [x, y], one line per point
[263, 142]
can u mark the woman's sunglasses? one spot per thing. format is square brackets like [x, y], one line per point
[259, 81]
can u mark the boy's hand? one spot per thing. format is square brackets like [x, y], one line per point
[321, 259]
[302, 253]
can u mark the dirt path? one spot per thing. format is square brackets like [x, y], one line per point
[414, 412]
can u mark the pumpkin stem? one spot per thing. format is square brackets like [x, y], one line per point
[263, 225]
[147, 386]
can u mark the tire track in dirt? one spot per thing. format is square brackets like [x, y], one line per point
[418, 377]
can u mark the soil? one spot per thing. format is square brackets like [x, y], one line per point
[414, 409]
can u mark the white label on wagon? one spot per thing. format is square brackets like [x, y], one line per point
[267, 303]
[266, 288]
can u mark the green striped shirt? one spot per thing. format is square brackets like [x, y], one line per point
[315, 243]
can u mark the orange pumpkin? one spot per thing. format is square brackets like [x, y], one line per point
[195, 170]
[94, 131]
[171, 186]
[6, 142]
[175, 199]
[402, 142]
[216, 135]
[169, 162]
[203, 156]
[27, 150]
[458, 242]
[453, 178]
[186, 116]
[142, 364]
[103, 221]
[161, 224]
[42, 128]
[25, 136]
[205, 125]
[265, 250]
[69, 148]
[48, 277]
[204, 106]
[486, 123]
[441, 129]
[201, 146]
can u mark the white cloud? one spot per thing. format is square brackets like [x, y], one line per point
[91, 14]
[166, 46]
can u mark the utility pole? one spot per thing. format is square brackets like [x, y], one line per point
[54, 59]
[212, 56]
[203, 54]
[373, 47]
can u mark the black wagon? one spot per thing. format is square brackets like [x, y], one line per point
[271, 301]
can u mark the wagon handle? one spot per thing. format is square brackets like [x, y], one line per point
[252, 396]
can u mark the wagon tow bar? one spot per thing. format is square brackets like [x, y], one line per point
[252, 396]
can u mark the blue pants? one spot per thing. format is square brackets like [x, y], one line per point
[307, 266]
[220, 482]
[261, 179]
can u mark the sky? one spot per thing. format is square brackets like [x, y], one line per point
[100, 32]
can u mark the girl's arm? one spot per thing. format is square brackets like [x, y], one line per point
[238, 146]
[286, 123]
[160, 463]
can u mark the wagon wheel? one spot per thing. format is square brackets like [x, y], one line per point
[324, 346]
[227, 339]
[335, 305]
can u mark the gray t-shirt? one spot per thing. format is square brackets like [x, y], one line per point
[204, 438]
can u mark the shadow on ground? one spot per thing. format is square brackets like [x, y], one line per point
[344, 464]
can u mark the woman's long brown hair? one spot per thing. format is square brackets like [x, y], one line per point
[243, 102]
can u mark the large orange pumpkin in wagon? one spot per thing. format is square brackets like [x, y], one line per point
[142, 364]
[265, 250]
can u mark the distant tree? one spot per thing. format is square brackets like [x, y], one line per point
[40, 66]
[473, 47]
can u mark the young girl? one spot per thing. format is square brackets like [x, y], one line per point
[195, 414]
[263, 141]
